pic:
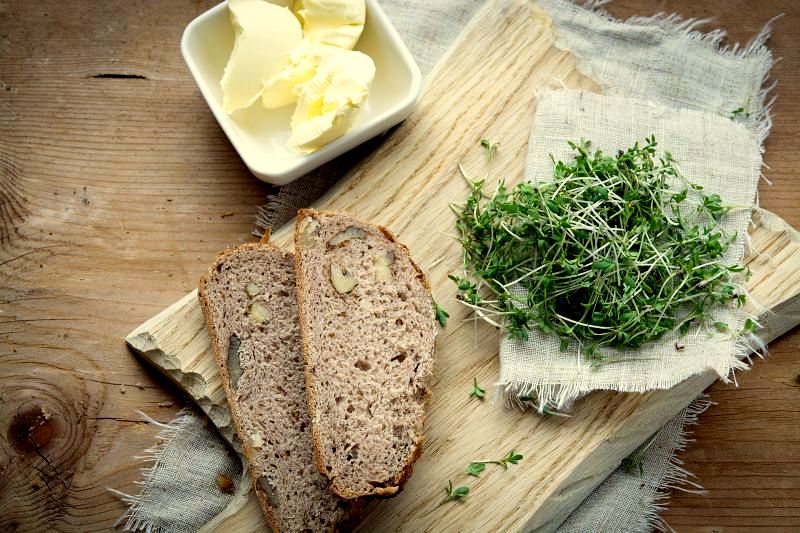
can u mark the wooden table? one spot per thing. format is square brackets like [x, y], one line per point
[116, 189]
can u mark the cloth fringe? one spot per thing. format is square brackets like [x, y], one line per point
[558, 399]
[269, 213]
[631, 498]
[759, 122]
[151, 458]
[676, 476]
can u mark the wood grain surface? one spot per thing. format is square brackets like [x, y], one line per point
[747, 449]
[116, 189]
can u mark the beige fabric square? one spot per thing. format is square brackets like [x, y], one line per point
[665, 59]
[713, 151]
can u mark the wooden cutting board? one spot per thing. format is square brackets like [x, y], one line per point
[486, 87]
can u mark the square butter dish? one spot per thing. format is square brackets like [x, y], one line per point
[260, 135]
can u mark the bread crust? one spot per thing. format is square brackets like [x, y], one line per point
[349, 516]
[395, 484]
[222, 363]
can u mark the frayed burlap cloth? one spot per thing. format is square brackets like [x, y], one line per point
[184, 485]
[668, 60]
[661, 59]
[712, 151]
[629, 500]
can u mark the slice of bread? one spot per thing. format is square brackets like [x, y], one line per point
[368, 330]
[248, 299]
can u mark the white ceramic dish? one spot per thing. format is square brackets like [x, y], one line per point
[260, 135]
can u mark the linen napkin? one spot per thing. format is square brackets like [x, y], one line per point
[712, 151]
[630, 499]
[191, 476]
[668, 60]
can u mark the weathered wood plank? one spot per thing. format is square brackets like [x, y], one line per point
[112, 193]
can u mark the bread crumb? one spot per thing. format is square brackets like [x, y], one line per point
[139, 386]
[122, 389]
[166, 404]
[225, 483]
[226, 214]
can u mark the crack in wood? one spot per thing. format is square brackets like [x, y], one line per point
[132, 386]
[43, 477]
[28, 253]
[119, 76]
[118, 419]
